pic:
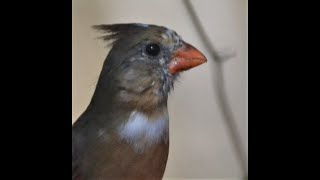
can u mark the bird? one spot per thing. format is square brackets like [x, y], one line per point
[124, 131]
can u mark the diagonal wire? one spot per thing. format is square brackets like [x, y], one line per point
[220, 89]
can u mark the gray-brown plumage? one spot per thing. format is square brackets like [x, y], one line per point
[124, 132]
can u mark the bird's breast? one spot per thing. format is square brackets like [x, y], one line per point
[137, 149]
[128, 164]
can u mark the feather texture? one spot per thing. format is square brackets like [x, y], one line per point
[124, 132]
[114, 32]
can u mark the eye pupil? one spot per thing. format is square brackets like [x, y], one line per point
[153, 49]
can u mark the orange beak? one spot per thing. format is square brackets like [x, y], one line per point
[186, 57]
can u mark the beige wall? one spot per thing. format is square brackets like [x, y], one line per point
[200, 146]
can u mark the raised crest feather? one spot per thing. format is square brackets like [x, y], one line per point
[114, 32]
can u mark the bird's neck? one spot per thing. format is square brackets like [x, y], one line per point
[146, 98]
[139, 118]
[140, 127]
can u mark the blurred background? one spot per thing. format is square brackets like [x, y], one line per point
[200, 146]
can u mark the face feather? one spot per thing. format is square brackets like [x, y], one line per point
[143, 64]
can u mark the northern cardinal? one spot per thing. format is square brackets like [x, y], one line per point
[124, 132]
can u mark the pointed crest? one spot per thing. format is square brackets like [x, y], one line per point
[114, 32]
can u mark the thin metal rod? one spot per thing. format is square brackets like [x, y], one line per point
[220, 90]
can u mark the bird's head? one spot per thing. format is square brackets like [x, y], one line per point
[144, 62]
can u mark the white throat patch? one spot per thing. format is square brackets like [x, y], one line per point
[141, 132]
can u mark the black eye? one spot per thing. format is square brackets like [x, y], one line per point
[153, 49]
